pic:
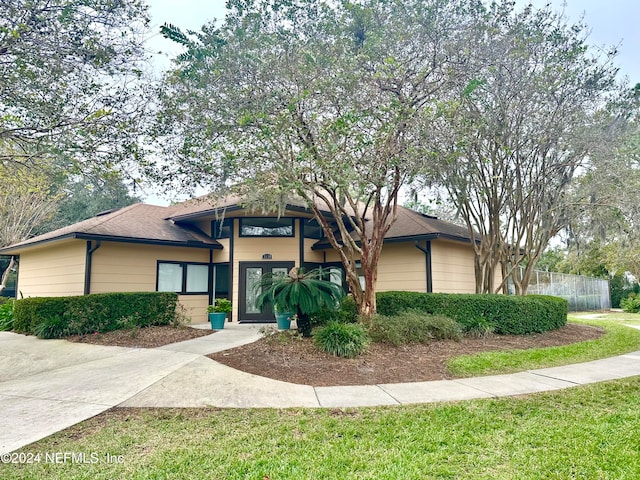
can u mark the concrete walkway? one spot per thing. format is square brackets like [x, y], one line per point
[49, 385]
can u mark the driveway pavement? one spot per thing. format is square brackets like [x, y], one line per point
[49, 385]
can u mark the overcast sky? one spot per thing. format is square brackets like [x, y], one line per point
[612, 22]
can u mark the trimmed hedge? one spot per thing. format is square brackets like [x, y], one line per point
[507, 314]
[54, 317]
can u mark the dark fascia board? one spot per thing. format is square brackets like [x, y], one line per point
[112, 238]
[204, 213]
[215, 245]
[430, 236]
[410, 238]
[235, 208]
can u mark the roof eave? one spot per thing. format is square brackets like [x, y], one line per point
[215, 245]
[429, 236]
[11, 250]
[237, 207]
[408, 238]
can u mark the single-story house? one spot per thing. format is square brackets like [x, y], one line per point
[203, 249]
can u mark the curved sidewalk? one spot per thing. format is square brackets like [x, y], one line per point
[49, 385]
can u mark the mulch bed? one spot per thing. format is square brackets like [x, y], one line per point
[148, 337]
[297, 360]
[290, 358]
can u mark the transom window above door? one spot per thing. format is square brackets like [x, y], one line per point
[266, 227]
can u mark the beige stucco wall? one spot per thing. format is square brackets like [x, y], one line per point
[452, 267]
[251, 249]
[126, 267]
[223, 255]
[332, 256]
[313, 256]
[194, 307]
[402, 267]
[53, 270]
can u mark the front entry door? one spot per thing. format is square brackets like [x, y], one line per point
[250, 273]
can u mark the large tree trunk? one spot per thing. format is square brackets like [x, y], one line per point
[368, 248]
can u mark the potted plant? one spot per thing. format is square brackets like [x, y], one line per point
[283, 318]
[301, 293]
[218, 313]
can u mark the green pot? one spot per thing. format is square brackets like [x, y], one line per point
[217, 320]
[284, 320]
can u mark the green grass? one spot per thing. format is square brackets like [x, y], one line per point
[586, 432]
[617, 340]
[619, 317]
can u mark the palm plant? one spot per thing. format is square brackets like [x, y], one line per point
[299, 292]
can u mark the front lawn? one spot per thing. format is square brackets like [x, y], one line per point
[617, 340]
[619, 317]
[586, 432]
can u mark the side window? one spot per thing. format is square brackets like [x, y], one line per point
[197, 278]
[312, 229]
[170, 277]
[183, 277]
[221, 228]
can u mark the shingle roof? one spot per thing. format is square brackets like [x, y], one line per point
[141, 223]
[412, 225]
[138, 223]
[201, 206]
[207, 205]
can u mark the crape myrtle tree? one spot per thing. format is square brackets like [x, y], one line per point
[524, 122]
[69, 80]
[26, 202]
[326, 101]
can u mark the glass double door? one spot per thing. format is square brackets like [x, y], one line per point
[250, 273]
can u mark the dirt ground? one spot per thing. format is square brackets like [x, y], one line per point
[297, 360]
[149, 337]
[291, 358]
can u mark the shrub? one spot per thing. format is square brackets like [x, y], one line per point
[342, 339]
[6, 315]
[52, 327]
[621, 288]
[480, 327]
[52, 317]
[348, 310]
[413, 326]
[30, 312]
[509, 314]
[504, 314]
[347, 313]
[631, 304]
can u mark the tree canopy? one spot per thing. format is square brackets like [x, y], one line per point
[345, 103]
[68, 71]
[326, 101]
[82, 198]
[531, 115]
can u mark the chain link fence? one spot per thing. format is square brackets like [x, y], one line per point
[582, 293]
